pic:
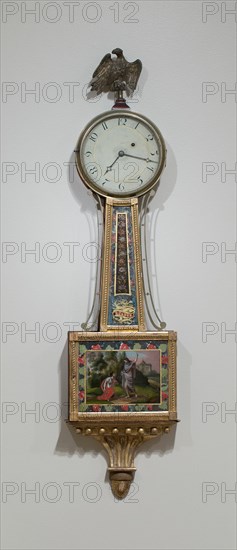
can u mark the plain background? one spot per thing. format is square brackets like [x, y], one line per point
[181, 48]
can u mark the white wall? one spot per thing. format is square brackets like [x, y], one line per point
[179, 52]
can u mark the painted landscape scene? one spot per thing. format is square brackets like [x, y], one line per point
[119, 377]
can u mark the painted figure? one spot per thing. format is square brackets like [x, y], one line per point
[107, 386]
[128, 377]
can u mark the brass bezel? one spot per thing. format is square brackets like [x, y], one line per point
[106, 116]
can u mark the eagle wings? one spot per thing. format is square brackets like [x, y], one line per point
[114, 74]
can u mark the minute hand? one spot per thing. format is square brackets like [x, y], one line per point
[140, 158]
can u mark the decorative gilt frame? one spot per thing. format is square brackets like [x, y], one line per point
[106, 267]
[121, 432]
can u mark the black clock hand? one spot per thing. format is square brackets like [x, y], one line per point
[109, 167]
[140, 158]
[122, 154]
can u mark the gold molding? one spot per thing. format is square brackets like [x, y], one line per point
[106, 265]
[138, 265]
[118, 333]
[73, 380]
[172, 374]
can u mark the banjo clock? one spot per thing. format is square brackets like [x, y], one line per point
[122, 377]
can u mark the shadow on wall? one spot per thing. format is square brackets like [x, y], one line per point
[88, 207]
[155, 207]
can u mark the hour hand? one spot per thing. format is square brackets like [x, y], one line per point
[107, 170]
[110, 167]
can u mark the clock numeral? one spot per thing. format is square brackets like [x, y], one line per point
[88, 153]
[135, 127]
[122, 121]
[150, 168]
[93, 136]
[140, 180]
[104, 182]
[121, 186]
[93, 170]
[149, 137]
[104, 125]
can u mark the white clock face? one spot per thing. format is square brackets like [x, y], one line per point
[120, 154]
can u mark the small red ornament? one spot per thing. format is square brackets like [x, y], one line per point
[124, 346]
[164, 396]
[96, 408]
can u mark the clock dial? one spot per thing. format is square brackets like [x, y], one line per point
[120, 154]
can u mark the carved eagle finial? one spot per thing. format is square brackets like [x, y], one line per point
[114, 74]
